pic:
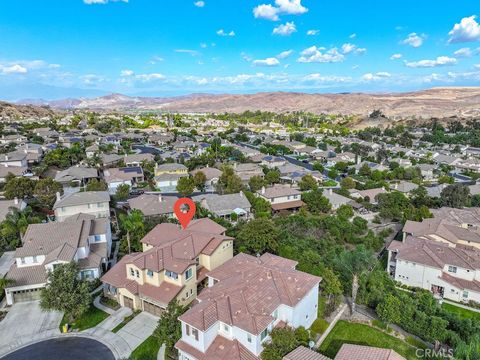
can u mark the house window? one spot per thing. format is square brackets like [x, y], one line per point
[249, 338]
[89, 206]
[452, 269]
[63, 209]
[465, 294]
[97, 238]
[150, 273]
[187, 329]
[132, 272]
[171, 274]
[264, 334]
[23, 260]
[138, 273]
[195, 334]
[226, 328]
[87, 274]
[35, 258]
[197, 261]
[188, 274]
[100, 205]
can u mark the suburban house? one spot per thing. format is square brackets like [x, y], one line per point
[448, 272]
[245, 299]
[212, 175]
[225, 205]
[92, 150]
[7, 205]
[137, 159]
[15, 158]
[369, 195]
[247, 171]
[336, 200]
[114, 177]
[272, 162]
[448, 225]
[172, 266]
[16, 171]
[96, 203]
[153, 204]
[34, 152]
[82, 239]
[346, 352]
[167, 176]
[282, 198]
[76, 176]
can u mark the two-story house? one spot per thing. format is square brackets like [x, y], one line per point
[82, 239]
[448, 272]
[114, 177]
[282, 198]
[246, 298]
[96, 203]
[172, 266]
[167, 176]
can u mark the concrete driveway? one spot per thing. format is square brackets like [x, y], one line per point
[26, 319]
[138, 329]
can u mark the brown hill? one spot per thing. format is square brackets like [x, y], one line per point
[13, 111]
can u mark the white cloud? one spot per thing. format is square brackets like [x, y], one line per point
[199, 4]
[284, 54]
[246, 57]
[463, 52]
[376, 76]
[187, 51]
[127, 73]
[282, 7]
[266, 62]
[266, 11]
[414, 40]
[477, 66]
[396, 56]
[439, 61]
[467, 30]
[13, 69]
[315, 54]
[353, 36]
[222, 32]
[150, 77]
[102, 2]
[285, 29]
[347, 48]
[312, 32]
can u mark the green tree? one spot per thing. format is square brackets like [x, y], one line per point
[18, 187]
[199, 180]
[347, 183]
[332, 174]
[318, 167]
[316, 203]
[365, 170]
[469, 350]
[331, 288]
[169, 329]
[46, 191]
[392, 205]
[133, 227]
[390, 309]
[345, 211]
[445, 179]
[455, 195]
[353, 264]
[96, 185]
[272, 176]
[258, 236]
[15, 225]
[66, 292]
[229, 182]
[307, 182]
[185, 186]
[256, 183]
[122, 192]
[282, 341]
[5, 282]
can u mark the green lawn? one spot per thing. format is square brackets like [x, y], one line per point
[147, 350]
[360, 334]
[88, 320]
[464, 313]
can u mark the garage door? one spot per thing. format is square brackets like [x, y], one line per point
[26, 295]
[127, 302]
[152, 309]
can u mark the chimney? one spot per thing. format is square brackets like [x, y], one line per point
[330, 191]
[15, 201]
[6, 157]
[160, 198]
[58, 196]
[263, 190]
[241, 193]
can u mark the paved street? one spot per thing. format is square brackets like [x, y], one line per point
[76, 348]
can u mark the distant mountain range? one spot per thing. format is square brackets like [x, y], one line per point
[436, 102]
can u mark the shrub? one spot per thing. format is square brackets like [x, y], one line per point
[319, 326]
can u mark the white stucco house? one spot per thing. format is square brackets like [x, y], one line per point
[96, 203]
[233, 317]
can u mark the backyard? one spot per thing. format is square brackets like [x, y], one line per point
[465, 313]
[361, 334]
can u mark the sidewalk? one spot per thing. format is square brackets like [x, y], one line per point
[98, 305]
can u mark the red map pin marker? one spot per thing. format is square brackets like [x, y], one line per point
[184, 217]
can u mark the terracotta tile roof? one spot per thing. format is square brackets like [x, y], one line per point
[461, 284]
[206, 225]
[248, 292]
[220, 349]
[288, 205]
[303, 353]
[359, 352]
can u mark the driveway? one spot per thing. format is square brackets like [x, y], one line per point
[26, 319]
[6, 260]
[64, 348]
[138, 329]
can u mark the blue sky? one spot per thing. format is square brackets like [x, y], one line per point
[62, 48]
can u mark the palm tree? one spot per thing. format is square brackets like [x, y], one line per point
[132, 223]
[353, 264]
[4, 282]
[15, 225]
